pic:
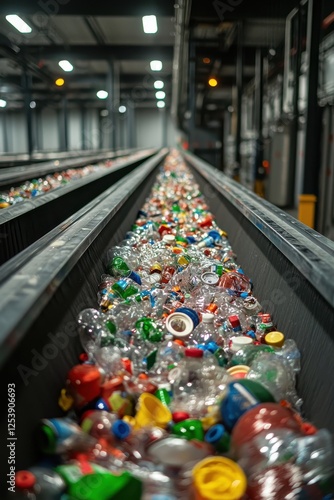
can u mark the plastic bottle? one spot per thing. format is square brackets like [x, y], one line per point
[206, 330]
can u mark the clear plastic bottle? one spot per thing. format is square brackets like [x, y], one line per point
[169, 355]
[206, 330]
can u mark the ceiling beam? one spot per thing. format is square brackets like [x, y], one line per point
[94, 52]
[219, 11]
[88, 7]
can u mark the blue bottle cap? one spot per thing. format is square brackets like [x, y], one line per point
[215, 235]
[120, 429]
[191, 239]
[215, 433]
[191, 313]
[212, 347]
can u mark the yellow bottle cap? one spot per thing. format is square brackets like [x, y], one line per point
[276, 339]
[219, 478]
[238, 371]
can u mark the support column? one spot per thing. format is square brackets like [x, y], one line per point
[239, 79]
[113, 89]
[63, 126]
[83, 128]
[164, 127]
[259, 170]
[5, 132]
[130, 125]
[312, 125]
[27, 109]
[192, 95]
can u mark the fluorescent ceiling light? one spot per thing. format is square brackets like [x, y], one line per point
[161, 104]
[156, 65]
[160, 94]
[65, 65]
[122, 109]
[102, 94]
[150, 24]
[18, 23]
[3, 103]
[159, 84]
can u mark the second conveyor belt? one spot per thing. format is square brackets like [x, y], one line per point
[24, 223]
[292, 270]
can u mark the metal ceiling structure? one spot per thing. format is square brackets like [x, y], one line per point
[101, 38]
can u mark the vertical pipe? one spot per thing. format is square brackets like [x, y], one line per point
[259, 170]
[312, 129]
[83, 127]
[192, 95]
[28, 110]
[5, 132]
[164, 127]
[65, 122]
[110, 106]
[239, 77]
[131, 142]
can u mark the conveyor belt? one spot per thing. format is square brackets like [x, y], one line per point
[45, 295]
[14, 175]
[24, 223]
[14, 160]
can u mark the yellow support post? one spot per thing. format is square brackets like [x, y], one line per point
[306, 209]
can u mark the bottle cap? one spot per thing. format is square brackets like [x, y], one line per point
[240, 342]
[218, 478]
[210, 278]
[193, 352]
[239, 371]
[207, 318]
[25, 480]
[120, 429]
[276, 339]
[234, 320]
[179, 324]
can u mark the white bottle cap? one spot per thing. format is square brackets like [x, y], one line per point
[169, 238]
[239, 342]
[179, 324]
[208, 317]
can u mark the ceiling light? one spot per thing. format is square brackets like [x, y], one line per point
[102, 94]
[161, 104]
[159, 84]
[65, 65]
[33, 104]
[3, 103]
[18, 23]
[230, 109]
[160, 94]
[150, 24]
[122, 109]
[60, 82]
[272, 52]
[206, 60]
[156, 65]
[213, 82]
[104, 112]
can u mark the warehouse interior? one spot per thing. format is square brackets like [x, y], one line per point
[230, 84]
[97, 99]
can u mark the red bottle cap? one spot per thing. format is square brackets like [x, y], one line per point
[179, 416]
[193, 352]
[25, 480]
[85, 381]
[234, 320]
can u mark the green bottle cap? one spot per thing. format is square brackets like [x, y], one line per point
[189, 429]
[47, 439]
